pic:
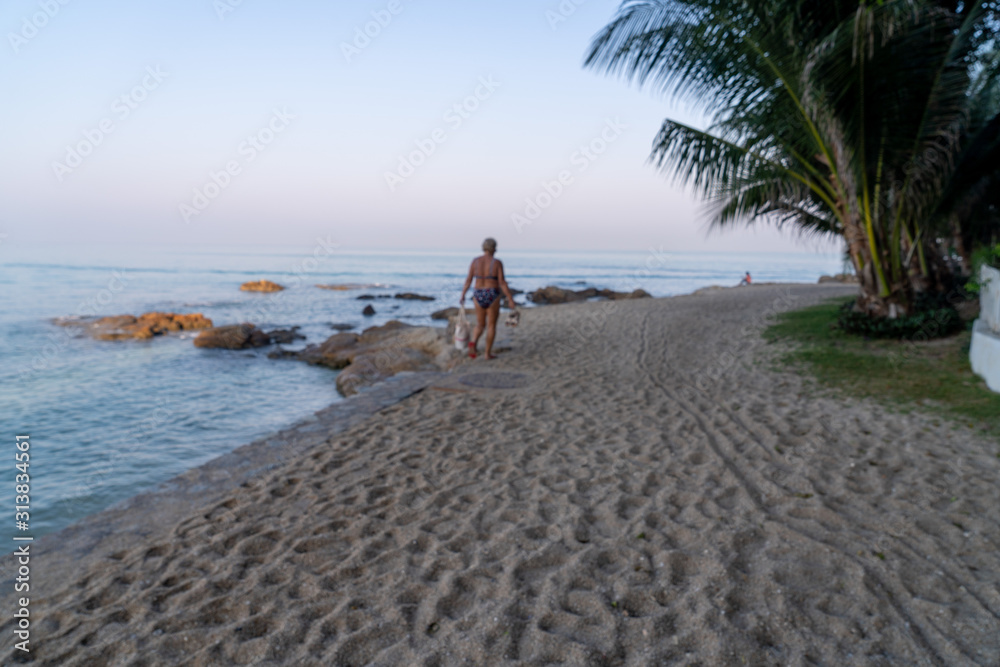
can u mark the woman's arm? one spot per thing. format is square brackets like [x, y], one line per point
[468, 281]
[504, 287]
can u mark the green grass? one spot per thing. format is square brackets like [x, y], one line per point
[930, 376]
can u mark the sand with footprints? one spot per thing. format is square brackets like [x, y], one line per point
[631, 483]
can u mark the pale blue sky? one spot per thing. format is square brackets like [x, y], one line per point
[221, 76]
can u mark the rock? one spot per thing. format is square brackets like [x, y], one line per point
[381, 333]
[634, 294]
[261, 286]
[342, 326]
[115, 321]
[846, 278]
[331, 353]
[147, 325]
[366, 370]
[445, 314]
[285, 336]
[379, 352]
[368, 311]
[371, 297]
[410, 296]
[231, 337]
[244, 336]
[553, 295]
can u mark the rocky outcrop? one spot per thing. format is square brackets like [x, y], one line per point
[285, 336]
[342, 326]
[145, 326]
[553, 295]
[379, 352]
[445, 314]
[261, 286]
[244, 336]
[368, 311]
[846, 278]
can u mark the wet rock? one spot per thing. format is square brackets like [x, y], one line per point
[244, 336]
[380, 352]
[261, 286]
[410, 296]
[368, 311]
[634, 294]
[388, 330]
[845, 278]
[332, 353]
[232, 337]
[553, 295]
[147, 325]
[445, 314]
[285, 336]
[342, 326]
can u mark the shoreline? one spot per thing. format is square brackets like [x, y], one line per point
[132, 517]
[498, 482]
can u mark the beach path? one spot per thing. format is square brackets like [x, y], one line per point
[632, 483]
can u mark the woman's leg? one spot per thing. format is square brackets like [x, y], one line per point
[491, 330]
[480, 325]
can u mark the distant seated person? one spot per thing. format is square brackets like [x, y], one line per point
[746, 279]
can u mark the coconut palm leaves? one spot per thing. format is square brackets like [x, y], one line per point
[835, 117]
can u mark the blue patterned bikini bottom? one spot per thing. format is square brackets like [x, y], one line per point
[485, 297]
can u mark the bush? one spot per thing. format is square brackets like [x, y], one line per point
[933, 317]
[988, 255]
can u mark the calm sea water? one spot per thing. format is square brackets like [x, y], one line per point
[108, 420]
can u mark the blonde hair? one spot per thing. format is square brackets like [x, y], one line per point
[490, 245]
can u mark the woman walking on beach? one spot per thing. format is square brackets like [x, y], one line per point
[487, 271]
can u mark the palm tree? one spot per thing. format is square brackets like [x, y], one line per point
[874, 122]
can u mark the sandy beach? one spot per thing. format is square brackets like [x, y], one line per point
[629, 483]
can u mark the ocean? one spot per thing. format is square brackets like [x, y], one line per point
[108, 420]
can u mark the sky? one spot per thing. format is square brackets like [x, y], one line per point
[387, 124]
